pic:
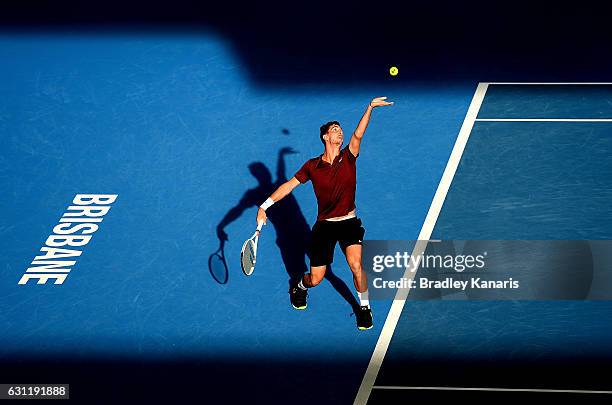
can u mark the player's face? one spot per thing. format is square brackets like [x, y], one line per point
[335, 135]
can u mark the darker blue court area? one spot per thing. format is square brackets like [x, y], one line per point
[525, 181]
[550, 180]
[547, 101]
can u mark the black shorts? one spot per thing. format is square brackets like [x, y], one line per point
[325, 234]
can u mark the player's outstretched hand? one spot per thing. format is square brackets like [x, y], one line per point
[380, 102]
[261, 216]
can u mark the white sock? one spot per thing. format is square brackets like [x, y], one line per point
[301, 285]
[363, 298]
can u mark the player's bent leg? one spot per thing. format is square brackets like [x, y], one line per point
[298, 293]
[321, 255]
[314, 278]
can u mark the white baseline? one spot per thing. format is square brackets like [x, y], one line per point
[395, 387]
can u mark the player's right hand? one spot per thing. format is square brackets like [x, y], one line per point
[261, 216]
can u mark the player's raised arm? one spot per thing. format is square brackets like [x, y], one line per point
[283, 190]
[355, 141]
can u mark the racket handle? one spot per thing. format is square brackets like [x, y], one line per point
[259, 225]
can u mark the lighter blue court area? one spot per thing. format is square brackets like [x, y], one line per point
[530, 181]
[171, 124]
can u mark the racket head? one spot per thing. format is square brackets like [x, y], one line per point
[247, 257]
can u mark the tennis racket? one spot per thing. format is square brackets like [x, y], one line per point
[249, 252]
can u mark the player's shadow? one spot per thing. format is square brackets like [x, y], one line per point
[292, 230]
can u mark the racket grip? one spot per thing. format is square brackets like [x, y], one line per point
[259, 225]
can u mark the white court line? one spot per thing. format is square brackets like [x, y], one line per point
[432, 216]
[544, 119]
[550, 84]
[394, 387]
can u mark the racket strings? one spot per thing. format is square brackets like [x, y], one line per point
[248, 258]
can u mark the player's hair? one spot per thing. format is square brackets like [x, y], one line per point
[325, 127]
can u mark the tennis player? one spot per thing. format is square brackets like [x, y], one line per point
[333, 176]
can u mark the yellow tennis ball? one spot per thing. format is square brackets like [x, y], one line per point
[393, 71]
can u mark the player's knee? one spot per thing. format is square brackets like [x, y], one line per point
[315, 279]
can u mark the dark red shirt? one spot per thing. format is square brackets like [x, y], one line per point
[334, 185]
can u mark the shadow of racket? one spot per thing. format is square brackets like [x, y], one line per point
[218, 266]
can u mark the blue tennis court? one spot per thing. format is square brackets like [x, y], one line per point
[188, 131]
[532, 162]
[177, 130]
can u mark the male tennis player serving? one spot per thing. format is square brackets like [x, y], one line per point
[333, 176]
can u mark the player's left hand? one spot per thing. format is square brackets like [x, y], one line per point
[379, 102]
